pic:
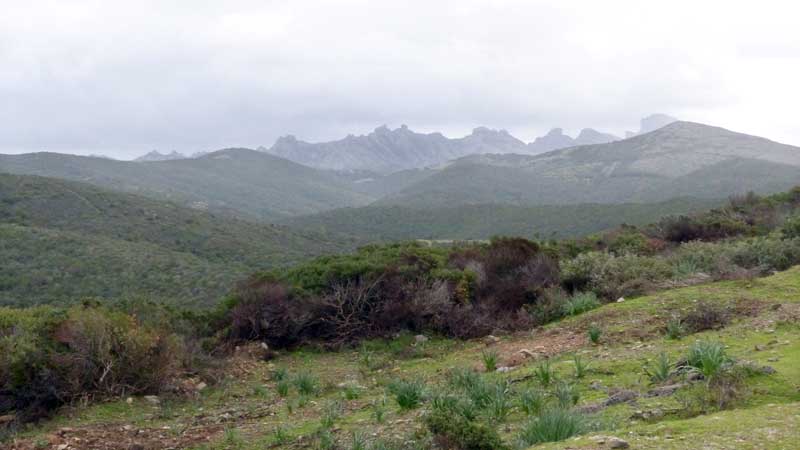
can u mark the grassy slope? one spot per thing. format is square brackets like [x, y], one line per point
[244, 411]
[63, 239]
[485, 221]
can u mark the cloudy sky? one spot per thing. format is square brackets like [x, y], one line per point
[126, 77]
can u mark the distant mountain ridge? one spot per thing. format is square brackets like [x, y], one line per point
[653, 166]
[156, 156]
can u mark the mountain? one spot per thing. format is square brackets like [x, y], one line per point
[385, 150]
[393, 223]
[67, 240]
[556, 139]
[156, 156]
[682, 158]
[654, 122]
[237, 181]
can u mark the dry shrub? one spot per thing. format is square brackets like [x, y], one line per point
[706, 316]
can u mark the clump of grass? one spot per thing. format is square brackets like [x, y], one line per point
[282, 387]
[330, 414]
[594, 333]
[675, 328]
[408, 394]
[490, 358]
[552, 425]
[379, 409]
[358, 441]
[260, 391]
[544, 373]
[580, 303]
[325, 440]
[708, 358]
[280, 436]
[351, 392]
[566, 394]
[581, 367]
[532, 401]
[499, 405]
[659, 370]
[280, 374]
[233, 440]
[306, 383]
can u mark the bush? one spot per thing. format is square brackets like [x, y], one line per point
[454, 431]
[580, 303]
[532, 401]
[659, 370]
[566, 394]
[306, 383]
[50, 356]
[552, 426]
[708, 358]
[409, 394]
[612, 276]
[594, 333]
[705, 316]
[489, 358]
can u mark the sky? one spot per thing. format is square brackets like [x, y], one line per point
[121, 78]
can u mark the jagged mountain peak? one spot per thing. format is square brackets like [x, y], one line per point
[155, 155]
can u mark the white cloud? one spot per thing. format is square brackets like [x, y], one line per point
[125, 77]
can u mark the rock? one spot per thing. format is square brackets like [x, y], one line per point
[8, 418]
[621, 299]
[136, 447]
[62, 447]
[591, 408]
[773, 359]
[615, 442]
[152, 399]
[767, 370]
[596, 385]
[129, 400]
[526, 353]
[200, 386]
[648, 415]
[665, 390]
[504, 369]
[421, 339]
[694, 376]
[621, 396]
[759, 348]
[491, 340]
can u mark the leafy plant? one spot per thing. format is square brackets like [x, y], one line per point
[659, 370]
[330, 414]
[708, 358]
[580, 303]
[544, 373]
[552, 425]
[490, 358]
[675, 328]
[566, 394]
[581, 367]
[532, 401]
[459, 432]
[280, 436]
[499, 404]
[280, 374]
[282, 387]
[408, 394]
[594, 333]
[351, 392]
[306, 383]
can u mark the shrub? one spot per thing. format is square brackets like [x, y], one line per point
[566, 394]
[532, 401]
[544, 373]
[330, 414]
[580, 303]
[499, 404]
[456, 432]
[706, 316]
[306, 383]
[659, 370]
[708, 358]
[409, 394]
[581, 367]
[552, 426]
[282, 387]
[791, 227]
[490, 360]
[675, 328]
[594, 333]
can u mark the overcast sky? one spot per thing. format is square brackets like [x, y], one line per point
[123, 78]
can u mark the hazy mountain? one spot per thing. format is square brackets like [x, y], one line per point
[682, 158]
[240, 181]
[390, 223]
[61, 239]
[654, 122]
[385, 150]
[156, 156]
[556, 139]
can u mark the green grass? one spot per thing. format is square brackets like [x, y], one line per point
[451, 373]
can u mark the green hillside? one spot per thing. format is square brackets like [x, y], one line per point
[64, 240]
[486, 220]
[240, 181]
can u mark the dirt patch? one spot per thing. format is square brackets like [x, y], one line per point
[116, 437]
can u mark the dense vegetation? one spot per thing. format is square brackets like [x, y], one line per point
[393, 223]
[240, 181]
[61, 241]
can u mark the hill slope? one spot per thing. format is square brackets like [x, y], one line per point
[63, 240]
[242, 181]
[679, 159]
[483, 221]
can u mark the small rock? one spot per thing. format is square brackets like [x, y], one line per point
[152, 399]
[621, 396]
[421, 339]
[615, 442]
[526, 353]
[129, 400]
[7, 418]
[491, 340]
[62, 447]
[767, 370]
[665, 390]
[504, 369]
[200, 386]
[136, 447]
[773, 359]
[694, 376]
[621, 299]
[127, 428]
[759, 348]
[596, 385]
